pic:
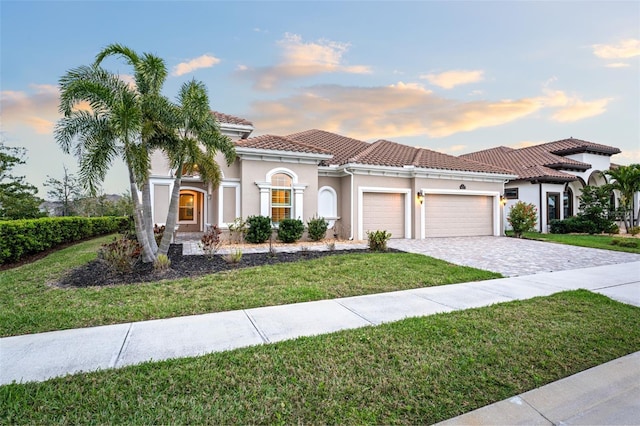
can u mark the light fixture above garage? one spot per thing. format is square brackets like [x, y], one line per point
[420, 196]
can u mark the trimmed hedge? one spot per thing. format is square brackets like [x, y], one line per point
[20, 238]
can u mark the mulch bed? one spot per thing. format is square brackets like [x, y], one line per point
[98, 273]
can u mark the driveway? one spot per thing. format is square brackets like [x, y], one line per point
[512, 257]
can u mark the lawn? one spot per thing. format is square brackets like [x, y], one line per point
[30, 304]
[416, 371]
[593, 241]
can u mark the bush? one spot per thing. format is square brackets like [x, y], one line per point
[634, 230]
[317, 228]
[233, 257]
[290, 230]
[210, 241]
[259, 229]
[237, 230]
[378, 240]
[20, 238]
[582, 225]
[121, 255]
[522, 218]
[162, 263]
[158, 232]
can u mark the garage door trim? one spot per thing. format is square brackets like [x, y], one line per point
[407, 207]
[496, 206]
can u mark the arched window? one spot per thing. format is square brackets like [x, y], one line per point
[281, 197]
[567, 202]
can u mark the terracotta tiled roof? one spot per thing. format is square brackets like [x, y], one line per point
[573, 146]
[392, 154]
[230, 119]
[279, 143]
[341, 147]
[544, 161]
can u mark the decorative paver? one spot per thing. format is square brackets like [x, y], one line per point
[512, 257]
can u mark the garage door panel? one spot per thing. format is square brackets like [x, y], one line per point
[383, 211]
[458, 215]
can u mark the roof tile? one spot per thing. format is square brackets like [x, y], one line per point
[230, 119]
[279, 143]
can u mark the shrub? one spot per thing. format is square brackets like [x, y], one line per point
[158, 232]
[237, 230]
[290, 230]
[378, 240]
[522, 218]
[121, 255]
[259, 229]
[317, 228]
[634, 230]
[233, 257]
[162, 263]
[210, 241]
[20, 238]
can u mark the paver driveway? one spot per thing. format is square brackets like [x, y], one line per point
[513, 257]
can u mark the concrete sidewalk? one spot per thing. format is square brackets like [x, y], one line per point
[38, 357]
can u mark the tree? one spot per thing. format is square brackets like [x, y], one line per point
[17, 198]
[150, 73]
[111, 128]
[522, 218]
[626, 179]
[596, 209]
[196, 129]
[66, 191]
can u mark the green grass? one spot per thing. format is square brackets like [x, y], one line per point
[593, 241]
[30, 304]
[416, 371]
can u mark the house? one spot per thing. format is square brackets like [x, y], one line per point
[357, 186]
[550, 175]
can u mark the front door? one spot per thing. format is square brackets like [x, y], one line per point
[190, 211]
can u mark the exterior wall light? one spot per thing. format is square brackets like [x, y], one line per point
[503, 200]
[420, 196]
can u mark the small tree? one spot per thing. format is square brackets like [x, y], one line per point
[596, 208]
[17, 198]
[522, 218]
[66, 191]
[626, 179]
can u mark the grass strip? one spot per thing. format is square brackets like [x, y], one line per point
[416, 371]
[593, 241]
[30, 305]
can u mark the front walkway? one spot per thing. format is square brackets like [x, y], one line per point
[513, 257]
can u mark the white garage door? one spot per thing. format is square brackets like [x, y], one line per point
[382, 211]
[458, 215]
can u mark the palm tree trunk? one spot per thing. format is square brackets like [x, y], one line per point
[146, 216]
[172, 215]
[147, 254]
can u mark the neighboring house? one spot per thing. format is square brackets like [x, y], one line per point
[358, 186]
[551, 175]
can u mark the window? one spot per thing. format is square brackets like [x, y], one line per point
[567, 203]
[185, 209]
[511, 193]
[553, 206]
[280, 197]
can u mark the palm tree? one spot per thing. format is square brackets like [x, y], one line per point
[626, 179]
[150, 73]
[199, 139]
[111, 128]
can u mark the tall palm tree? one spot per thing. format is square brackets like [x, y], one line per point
[199, 139]
[150, 73]
[626, 179]
[111, 128]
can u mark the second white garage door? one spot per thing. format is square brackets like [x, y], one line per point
[383, 211]
[458, 215]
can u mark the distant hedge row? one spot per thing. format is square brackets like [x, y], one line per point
[19, 238]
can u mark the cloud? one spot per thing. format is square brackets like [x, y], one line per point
[204, 61]
[624, 49]
[627, 156]
[572, 108]
[303, 59]
[451, 79]
[524, 144]
[402, 109]
[617, 65]
[36, 109]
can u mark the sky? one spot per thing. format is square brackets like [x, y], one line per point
[455, 77]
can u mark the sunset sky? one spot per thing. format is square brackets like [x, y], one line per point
[455, 77]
